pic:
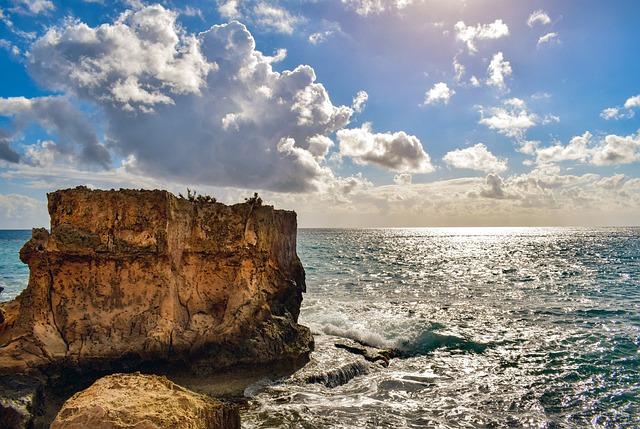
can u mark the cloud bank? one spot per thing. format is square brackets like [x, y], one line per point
[612, 150]
[206, 108]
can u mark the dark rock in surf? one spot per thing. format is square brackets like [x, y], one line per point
[21, 400]
[339, 360]
[340, 375]
[371, 354]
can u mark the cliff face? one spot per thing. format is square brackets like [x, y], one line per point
[142, 276]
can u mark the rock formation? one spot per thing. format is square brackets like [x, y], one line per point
[122, 401]
[21, 401]
[130, 277]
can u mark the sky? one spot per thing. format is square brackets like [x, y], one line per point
[353, 113]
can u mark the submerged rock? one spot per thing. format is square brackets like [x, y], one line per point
[330, 365]
[127, 278]
[339, 375]
[371, 354]
[121, 401]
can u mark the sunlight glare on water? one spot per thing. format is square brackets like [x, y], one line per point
[499, 327]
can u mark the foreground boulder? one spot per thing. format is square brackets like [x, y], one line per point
[128, 277]
[121, 401]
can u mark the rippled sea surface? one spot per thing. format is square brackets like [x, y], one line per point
[499, 328]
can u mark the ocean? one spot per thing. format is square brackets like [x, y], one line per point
[499, 328]
[14, 275]
[496, 328]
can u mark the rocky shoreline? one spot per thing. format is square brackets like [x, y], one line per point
[145, 281]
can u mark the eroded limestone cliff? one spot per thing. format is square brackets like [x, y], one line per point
[127, 277]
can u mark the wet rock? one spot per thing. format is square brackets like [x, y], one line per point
[8, 314]
[21, 401]
[371, 354]
[339, 375]
[141, 401]
[338, 360]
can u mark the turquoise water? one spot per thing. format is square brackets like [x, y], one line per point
[14, 275]
[499, 328]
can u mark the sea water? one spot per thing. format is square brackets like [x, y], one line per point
[497, 328]
[14, 275]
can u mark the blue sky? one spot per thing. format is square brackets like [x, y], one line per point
[351, 112]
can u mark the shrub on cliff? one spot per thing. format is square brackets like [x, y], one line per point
[196, 198]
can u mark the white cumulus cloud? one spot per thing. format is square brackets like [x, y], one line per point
[402, 179]
[320, 37]
[493, 187]
[264, 14]
[538, 17]
[612, 150]
[229, 9]
[142, 60]
[616, 150]
[197, 109]
[276, 18]
[470, 35]
[512, 120]
[33, 7]
[477, 158]
[375, 7]
[498, 70]
[459, 69]
[577, 150]
[439, 93]
[396, 152]
[359, 101]
[632, 102]
[366, 7]
[614, 113]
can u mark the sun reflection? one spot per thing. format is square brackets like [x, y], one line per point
[471, 231]
[501, 327]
